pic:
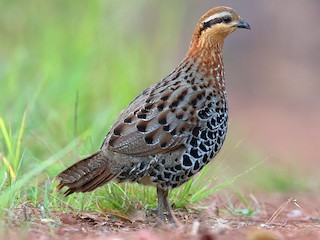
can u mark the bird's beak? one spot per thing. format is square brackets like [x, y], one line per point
[243, 24]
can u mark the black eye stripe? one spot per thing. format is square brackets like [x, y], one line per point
[208, 24]
[211, 22]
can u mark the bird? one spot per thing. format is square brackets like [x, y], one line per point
[172, 129]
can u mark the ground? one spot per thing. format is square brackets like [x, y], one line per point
[277, 217]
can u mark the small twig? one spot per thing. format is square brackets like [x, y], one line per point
[281, 208]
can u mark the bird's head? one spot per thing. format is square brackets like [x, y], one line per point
[215, 25]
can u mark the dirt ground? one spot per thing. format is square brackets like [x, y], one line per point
[277, 217]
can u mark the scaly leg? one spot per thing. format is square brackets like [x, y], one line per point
[160, 196]
[163, 201]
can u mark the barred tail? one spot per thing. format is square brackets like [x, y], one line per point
[86, 175]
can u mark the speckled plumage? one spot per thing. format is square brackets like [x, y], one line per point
[173, 128]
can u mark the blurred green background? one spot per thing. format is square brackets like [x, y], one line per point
[72, 66]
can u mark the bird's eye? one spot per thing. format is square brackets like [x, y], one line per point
[226, 19]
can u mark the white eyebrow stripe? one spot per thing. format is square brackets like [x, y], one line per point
[218, 15]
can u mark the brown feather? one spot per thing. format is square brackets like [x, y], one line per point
[86, 175]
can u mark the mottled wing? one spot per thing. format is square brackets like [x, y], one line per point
[157, 121]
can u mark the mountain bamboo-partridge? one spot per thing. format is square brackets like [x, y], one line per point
[173, 128]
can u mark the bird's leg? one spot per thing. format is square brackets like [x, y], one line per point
[171, 217]
[160, 195]
[163, 194]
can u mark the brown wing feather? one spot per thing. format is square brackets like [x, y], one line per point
[153, 123]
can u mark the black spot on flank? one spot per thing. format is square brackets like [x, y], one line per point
[185, 77]
[194, 88]
[135, 112]
[160, 107]
[212, 154]
[128, 120]
[205, 158]
[194, 142]
[210, 135]
[144, 111]
[208, 143]
[148, 140]
[186, 161]
[164, 98]
[203, 114]
[196, 165]
[200, 95]
[117, 130]
[213, 122]
[196, 131]
[188, 69]
[177, 167]
[142, 115]
[209, 125]
[181, 97]
[167, 175]
[174, 104]
[163, 161]
[166, 128]
[177, 179]
[219, 140]
[203, 135]
[162, 120]
[193, 102]
[173, 132]
[216, 148]
[202, 147]
[141, 128]
[194, 153]
[148, 106]
[142, 165]
[190, 174]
